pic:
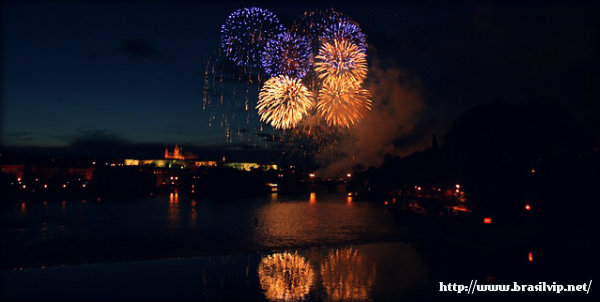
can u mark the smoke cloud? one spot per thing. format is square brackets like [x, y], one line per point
[397, 108]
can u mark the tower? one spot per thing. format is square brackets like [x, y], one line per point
[177, 152]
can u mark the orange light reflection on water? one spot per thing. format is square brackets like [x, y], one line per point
[173, 197]
[173, 211]
[193, 215]
[285, 277]
[347, 275]
[330, 217]
[313, 198]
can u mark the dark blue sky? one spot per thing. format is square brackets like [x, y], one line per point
[134, 71]
[129, 70]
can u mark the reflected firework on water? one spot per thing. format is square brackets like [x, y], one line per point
[347, 275]
[285, 277]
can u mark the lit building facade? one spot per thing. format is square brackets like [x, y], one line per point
[176, 154]
[177, 158]
[249, 166]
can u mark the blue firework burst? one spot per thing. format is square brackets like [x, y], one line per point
[312, 25]
[246, 32]
[287, 54]
[345, 30]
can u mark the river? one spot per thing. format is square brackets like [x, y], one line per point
[316, 247]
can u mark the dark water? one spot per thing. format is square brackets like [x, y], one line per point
[82, 231]
[317, 247]
[350, 273]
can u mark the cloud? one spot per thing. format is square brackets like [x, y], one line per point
[98, 142]
[387, 129]
[23, 136]
[139, 48]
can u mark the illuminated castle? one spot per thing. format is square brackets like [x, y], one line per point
[176, 154]
[182, 159]
[179, 154]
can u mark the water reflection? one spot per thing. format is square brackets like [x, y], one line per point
[173, 211]
[287, 223]
[382, 271]
[285, 277]
[174, 197]
[347, 275]
[313, 198]
[202, 227]
[193, 215]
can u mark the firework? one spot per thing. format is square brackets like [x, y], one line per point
[228, 99]
[283, 102]
[347, 275]
[285, 277]
[320, 61]
[343, 105]
[341, 62]
[245, 33]
[345, 29]
[287, 54]
[313, 23]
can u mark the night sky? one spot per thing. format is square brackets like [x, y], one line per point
[133, 72]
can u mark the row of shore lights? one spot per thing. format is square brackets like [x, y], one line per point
[24, 186]
[313, 175]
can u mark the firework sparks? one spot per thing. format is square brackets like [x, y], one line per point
[342, 62]
[287, 54]
[316, 70]
[245, 33]
[313, 23]
[285, 277]
[347, 275]
[283, 102]
[346, 30]
[342, 105]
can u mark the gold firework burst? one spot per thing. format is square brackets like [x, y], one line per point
[341, 61]
[283, 101]
[343, 105]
